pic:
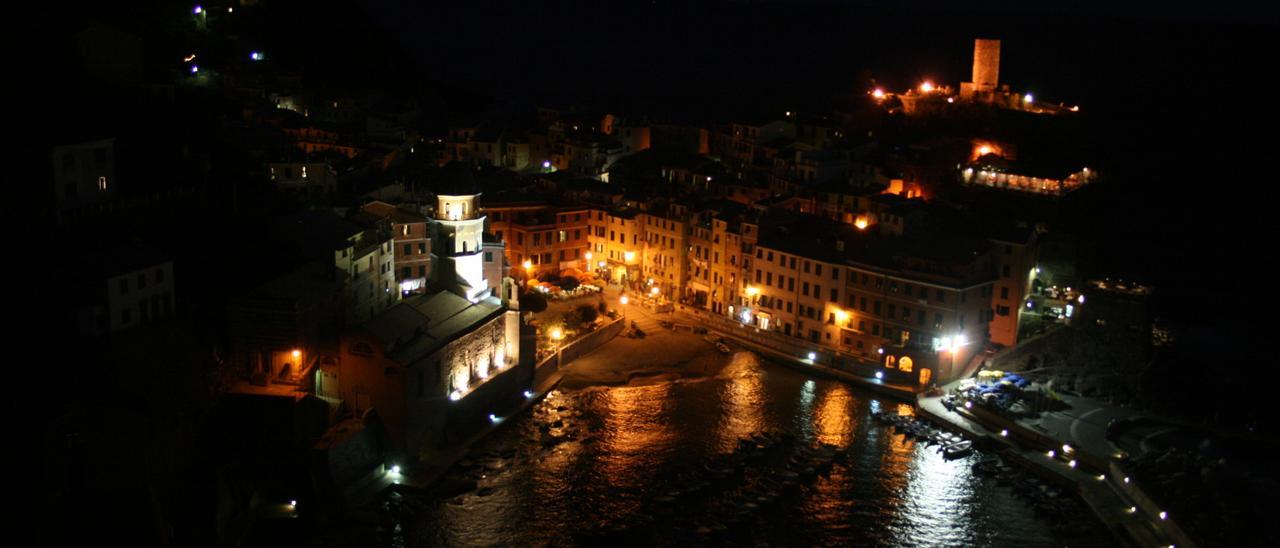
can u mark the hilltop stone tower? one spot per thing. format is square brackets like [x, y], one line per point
[457, 232]
[986, 71]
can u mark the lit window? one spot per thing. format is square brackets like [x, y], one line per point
[102, 183]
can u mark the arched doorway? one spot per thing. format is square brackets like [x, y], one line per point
[905, 364]
[925, 375]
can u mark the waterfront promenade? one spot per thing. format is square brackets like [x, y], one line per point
[1095, 476]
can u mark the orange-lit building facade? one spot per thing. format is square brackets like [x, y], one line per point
[541, 239]
[873, 313]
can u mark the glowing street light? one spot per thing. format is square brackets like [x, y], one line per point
[654, 291]
[879, 375]
[629, 256]
[395, 469]
[194, 69]
[527, 264]
[455, 395]
[752, 291]
[623, 300]
[841, 316]
[984, 150]
[546, 164]
[588, 255]
[1027, 98]
[197, 10]
[255, 55]
[813, 356]
[556, 334]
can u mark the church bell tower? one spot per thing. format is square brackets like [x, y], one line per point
[457, 232]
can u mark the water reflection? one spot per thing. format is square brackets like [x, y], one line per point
[603, 455]
[742, 402]
[833, 423]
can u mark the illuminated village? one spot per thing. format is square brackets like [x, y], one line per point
[372, 316]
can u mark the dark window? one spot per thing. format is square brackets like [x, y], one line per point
[124, 285]
[940, 295]
[1004, 292]
[159, 275]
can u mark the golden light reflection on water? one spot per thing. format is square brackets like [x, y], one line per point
[895, 463]
[636, 429]
[833, 423]
[743, 398]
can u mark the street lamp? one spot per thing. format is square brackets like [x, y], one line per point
[556, 335]
[623, 300]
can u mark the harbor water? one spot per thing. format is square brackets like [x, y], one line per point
[629, 464]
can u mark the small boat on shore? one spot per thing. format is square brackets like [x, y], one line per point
[957, 450]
